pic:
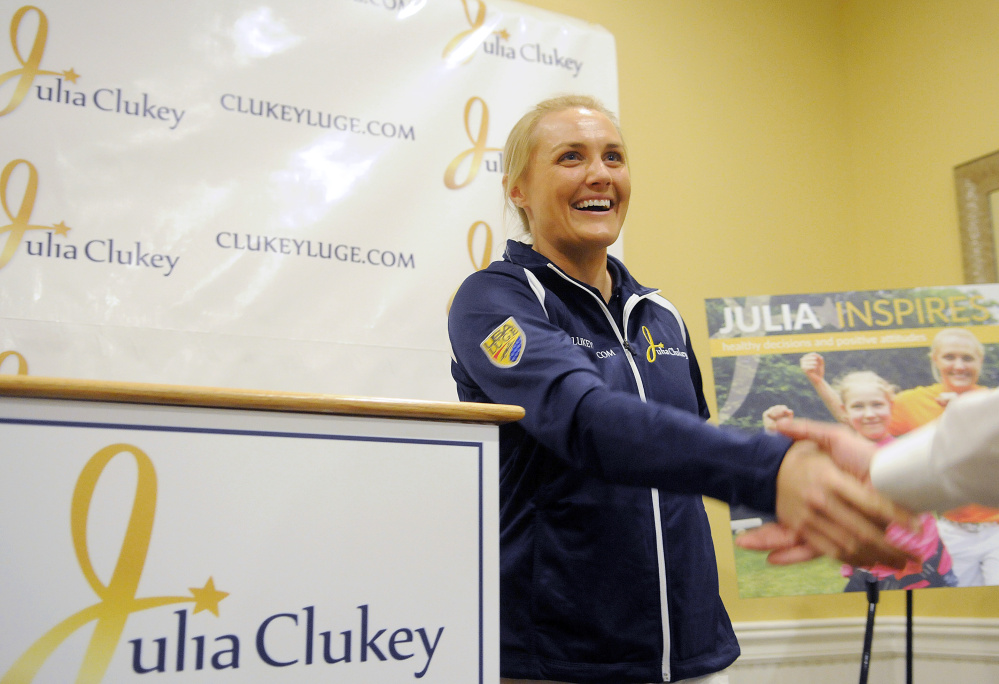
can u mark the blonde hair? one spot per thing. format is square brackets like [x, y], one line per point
[520, 143]
[852, 380]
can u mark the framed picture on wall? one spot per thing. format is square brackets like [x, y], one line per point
[977, 184]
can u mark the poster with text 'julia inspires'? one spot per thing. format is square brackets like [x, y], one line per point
[883, 363]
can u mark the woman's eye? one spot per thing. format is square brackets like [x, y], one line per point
[614, 157]
[570, 156]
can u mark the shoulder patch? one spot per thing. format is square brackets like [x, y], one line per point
[506, 344]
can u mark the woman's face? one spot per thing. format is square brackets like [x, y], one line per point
[576, 186]
[868, 409]
[958, 362]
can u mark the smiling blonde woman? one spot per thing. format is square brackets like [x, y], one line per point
[607, 569]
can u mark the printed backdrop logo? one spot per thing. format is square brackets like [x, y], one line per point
[117, 597]
[480, 263]
[477, 151]
[100, 251]
[113, 100]
[30, 67]
[19, 223]
[463, 46]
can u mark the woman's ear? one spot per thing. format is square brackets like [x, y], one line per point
[516, 195]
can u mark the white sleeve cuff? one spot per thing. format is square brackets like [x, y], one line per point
[902, 471]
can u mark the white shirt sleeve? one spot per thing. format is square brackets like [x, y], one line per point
[949, 463]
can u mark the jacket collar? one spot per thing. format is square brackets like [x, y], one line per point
[523, 254]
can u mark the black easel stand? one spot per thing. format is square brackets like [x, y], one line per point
[872, 602]
[908, 636]
[872, 605]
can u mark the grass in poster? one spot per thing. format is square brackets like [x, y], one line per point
[757, 579]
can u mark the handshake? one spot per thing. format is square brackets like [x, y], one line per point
[837, 492]
[826, 504]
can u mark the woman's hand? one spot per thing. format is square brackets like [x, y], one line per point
[784, 547]
[848, 450]
[832, 513]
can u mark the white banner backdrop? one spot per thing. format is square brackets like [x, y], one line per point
[279, 196]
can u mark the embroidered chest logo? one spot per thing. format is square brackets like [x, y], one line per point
[656, 349]
[506, 344]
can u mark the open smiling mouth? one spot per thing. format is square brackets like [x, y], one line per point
[593, 205]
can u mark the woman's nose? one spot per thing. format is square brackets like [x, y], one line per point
[598, 173]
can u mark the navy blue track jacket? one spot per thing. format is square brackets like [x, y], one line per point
[607, 570]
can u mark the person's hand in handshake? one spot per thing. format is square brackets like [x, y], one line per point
[825, 505]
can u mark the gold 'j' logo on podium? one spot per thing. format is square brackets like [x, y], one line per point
[117, 599]
[18, 358]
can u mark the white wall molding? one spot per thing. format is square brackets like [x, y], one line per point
[818, 651]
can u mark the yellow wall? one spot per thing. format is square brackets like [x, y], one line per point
[922, 99]
[784, 146]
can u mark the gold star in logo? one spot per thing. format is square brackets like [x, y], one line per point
[208, 597]
[70, 76]
[504, 34]
[61, 228]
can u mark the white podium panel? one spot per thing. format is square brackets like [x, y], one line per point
[200, 544]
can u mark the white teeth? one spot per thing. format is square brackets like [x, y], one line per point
[585, 204]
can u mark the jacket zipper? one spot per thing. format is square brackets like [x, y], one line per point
[656, 512]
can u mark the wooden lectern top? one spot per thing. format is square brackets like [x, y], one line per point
[264, 400]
